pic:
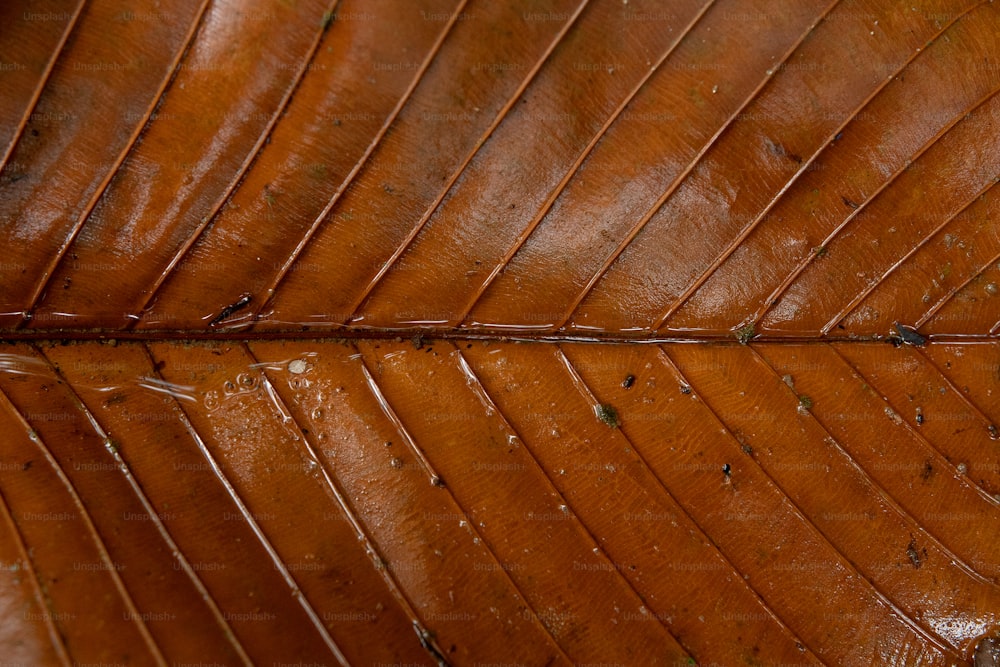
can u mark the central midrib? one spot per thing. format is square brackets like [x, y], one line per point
[62, 336]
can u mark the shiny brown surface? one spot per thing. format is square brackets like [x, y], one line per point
[203, 499]
[195, 195]
[813, 168]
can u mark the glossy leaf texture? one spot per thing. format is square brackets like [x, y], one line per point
[539, 231]
[812, 168]
[541, 503]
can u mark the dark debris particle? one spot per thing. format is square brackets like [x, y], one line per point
[685, 389]
[727, 469]
[745, 333]
[607, 414]
[909, 335]
[849, 203]
[628, 381]
[914, 555]
[237, 305]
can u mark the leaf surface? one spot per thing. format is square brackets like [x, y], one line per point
[409, 332]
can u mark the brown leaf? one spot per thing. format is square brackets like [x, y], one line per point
[666, 332]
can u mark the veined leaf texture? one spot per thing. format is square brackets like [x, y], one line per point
[468, 332]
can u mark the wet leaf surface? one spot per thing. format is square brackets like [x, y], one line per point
[460, 332]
